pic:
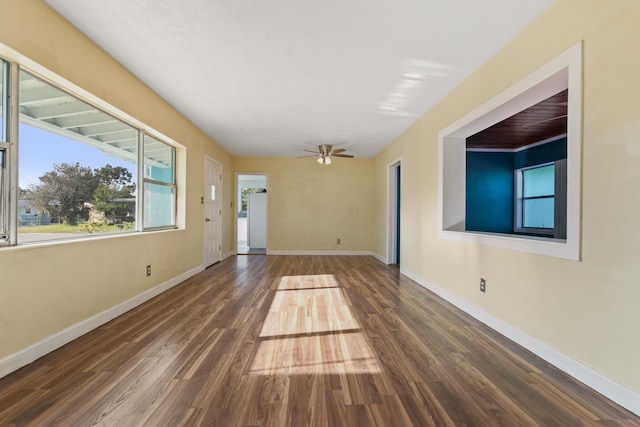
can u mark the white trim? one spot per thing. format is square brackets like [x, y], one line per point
[392, 197]
[609, 388]
[13, 153]
[379, 257]
[562, 72]
[347, 253]
[17, 360]
[236, 192]
[227, 255]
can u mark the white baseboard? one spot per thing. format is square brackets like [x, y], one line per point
[227, 255]
[275, 252]
[379, 258]
[17, 360]
[620, 394]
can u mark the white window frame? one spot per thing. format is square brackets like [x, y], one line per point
[9, 200]
[562, 72]
[559, 196]
[143, 179]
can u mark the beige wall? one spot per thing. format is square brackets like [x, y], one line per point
[588, 310]
[312, 205]
[46, 289]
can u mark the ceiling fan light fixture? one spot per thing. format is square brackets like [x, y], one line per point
[324, 160]
[325, 153]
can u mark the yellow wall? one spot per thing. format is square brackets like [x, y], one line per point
[46, 289]
[312, 205]
[589, 310]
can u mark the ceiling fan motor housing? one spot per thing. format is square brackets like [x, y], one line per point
[325, 149]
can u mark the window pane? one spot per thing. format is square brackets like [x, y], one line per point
[159, 205]
[538, 213]
[78, 166]
[159, 160]
[538, 181]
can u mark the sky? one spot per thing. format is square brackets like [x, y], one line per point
[40, 150]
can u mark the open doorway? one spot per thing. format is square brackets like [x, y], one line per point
[393, 204]
[251, 219]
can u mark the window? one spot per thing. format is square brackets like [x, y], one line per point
[83, 171]
[159, 184]
[535, 198]
[540, 200]
[78, 165]
[244, 197]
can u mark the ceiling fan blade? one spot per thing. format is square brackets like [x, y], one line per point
[338, 150]
[311, 151]
[348, 156]
[310, 155]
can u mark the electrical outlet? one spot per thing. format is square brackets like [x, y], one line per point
[338, 241]
[148, 270]
[483, 285]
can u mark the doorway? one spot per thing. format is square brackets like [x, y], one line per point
[212, 211]
[394, 179]
[251, 213]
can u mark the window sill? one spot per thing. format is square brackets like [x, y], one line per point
[81, 239]
[548, 246]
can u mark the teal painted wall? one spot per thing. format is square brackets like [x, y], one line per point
[549, 152]
[489, 194]
[490, 180]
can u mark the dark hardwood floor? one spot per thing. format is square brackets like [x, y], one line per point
[297, 341]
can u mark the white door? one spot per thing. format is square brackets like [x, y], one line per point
[212, 212]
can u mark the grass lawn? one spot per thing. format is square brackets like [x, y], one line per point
[65, 228]
[53, 228]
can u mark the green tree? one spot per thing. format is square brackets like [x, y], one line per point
[115, 186]
[114, 175]
[65, 192]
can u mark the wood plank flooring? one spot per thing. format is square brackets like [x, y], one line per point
[298, 341]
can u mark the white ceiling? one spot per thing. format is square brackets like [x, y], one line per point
[271, 78]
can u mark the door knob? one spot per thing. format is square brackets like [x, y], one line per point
[207, 220]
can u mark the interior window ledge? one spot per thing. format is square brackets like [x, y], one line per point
[540, 245]
[71, 240]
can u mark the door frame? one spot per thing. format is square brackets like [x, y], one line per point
[235, 202]
[393, 210]
[219, 193]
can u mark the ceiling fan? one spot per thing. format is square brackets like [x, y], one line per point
[325, 152]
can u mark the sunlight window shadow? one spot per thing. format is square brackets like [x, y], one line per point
[310, 329]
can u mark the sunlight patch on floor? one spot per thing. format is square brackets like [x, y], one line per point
[310, 329]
